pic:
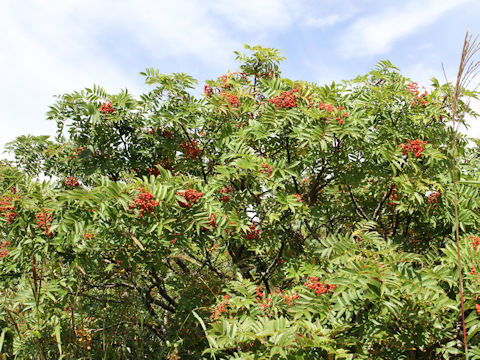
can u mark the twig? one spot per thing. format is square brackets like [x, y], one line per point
[376, 214]
[357, 206]
[266, 274]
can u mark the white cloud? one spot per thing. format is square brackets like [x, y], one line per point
[375, 34]
[43, 53]
[55, 46]
[321, 22]
[254, 15]
[51, 47]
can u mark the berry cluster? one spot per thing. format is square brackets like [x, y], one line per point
[79, 150]
[414, 146]
[153, 171]
[286, 99]
[107, 108]
[221, 308]
[89, 236]
[290, 299]
[224, 83]
[393, 197]
[253, 233]
[413, 88]
[475, 243]
[225, 191]
[299, 197]
[190, 148]
[266, 169]
[167, 134]
[433, 198]
[268, 74]
[419, 98]
[477, 308]
[326, 107]
[242, 124]
[232, 99]
[162, 132]
[264, 301]
[212, 222]
[266, 304]
[231, 225]
[473, 271]
[340, 120]
[319, 287]
[3, 249]
[43, 221]
[334, 112]
[224, 78]
[76, 152]
[7, 209]
[191, 197]
[208, 90]
[144, 202]
[260, 294]
[70, 181]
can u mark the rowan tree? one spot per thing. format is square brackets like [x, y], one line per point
[264, 219]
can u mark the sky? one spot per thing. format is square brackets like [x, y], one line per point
[51, 47]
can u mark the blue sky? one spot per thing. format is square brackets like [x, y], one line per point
[50, 47]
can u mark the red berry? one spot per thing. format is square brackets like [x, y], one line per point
[107, 108]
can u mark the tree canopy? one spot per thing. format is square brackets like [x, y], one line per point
[265, 219]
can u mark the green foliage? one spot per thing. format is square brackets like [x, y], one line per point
[268, 219]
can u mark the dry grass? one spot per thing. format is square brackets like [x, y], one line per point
[468, 70]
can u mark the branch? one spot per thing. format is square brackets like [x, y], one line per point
[267, 274]
[357, 206]
[161, 289]
[376, 214]
[13, 321]
[209, 265]
[312, 231]
[149, 300]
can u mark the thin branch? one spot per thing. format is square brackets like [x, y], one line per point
[149, 301]
[357, 206]
[376, 214]
[209, 265]
[161, 288]
[13, 321]
[267, 274]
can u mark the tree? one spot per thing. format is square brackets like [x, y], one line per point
[269, 218]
